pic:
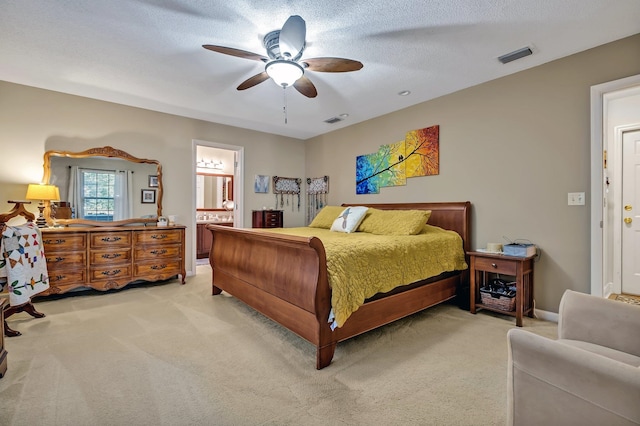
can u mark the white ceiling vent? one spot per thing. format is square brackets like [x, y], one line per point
[333, 120]
[516, 54]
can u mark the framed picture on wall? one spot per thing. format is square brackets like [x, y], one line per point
[153, 181]
[261, 184]
[148, 196]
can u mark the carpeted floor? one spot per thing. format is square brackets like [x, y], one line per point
[168, 354]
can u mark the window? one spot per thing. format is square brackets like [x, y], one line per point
[98, 187]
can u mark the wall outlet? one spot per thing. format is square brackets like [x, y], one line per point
[576, 199]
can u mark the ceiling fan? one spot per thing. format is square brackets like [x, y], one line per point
[283, 64]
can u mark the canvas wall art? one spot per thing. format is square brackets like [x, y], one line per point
[391, 165]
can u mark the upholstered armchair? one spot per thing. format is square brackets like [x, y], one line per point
[590, 375]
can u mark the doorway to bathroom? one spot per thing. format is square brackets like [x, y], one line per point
[217, 191]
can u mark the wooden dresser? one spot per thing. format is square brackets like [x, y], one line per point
[105, 258]
[267, 219]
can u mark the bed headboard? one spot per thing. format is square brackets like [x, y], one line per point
[455, 216]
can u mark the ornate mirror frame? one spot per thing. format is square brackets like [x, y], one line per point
[106, 152]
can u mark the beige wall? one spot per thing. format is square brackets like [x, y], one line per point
[514, 147]
[33, 121]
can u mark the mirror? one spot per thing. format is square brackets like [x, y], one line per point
[142, 186]
[212, 190]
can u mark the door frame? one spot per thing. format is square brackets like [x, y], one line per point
[238, 186]
[601, 233]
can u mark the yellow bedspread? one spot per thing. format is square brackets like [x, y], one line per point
[360, 265]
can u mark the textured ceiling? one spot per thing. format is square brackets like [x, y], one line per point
[148, 54]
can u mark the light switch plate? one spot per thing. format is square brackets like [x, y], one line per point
[576, 199]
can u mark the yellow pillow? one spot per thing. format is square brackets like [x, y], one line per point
[326, 216]
[394, 222]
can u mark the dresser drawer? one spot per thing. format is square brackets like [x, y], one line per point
[60, 260]
[65, 277]
[499, 266]
[102, 273]
[164, 252]
[64, 242]
[156, 237]
[166, 268]
[110, 239]
[271, 217]
[110, 257]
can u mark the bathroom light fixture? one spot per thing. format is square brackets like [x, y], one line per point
[284, 72]
[203, 164]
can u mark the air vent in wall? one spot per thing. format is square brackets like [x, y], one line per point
[333, 120]
[517, 54]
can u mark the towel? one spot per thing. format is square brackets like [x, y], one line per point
[23, 267]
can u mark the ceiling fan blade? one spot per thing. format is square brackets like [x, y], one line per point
[332, 64]
[236, 52]
[292, 37]
[252, 81]
[306, 87]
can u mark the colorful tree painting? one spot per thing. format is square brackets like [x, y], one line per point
[422, 152]
[391, 165]
[366, 177]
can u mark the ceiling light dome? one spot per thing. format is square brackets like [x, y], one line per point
[284, 72]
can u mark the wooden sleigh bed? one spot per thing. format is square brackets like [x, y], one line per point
[285, 278]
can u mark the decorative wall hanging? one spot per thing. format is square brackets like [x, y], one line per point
[391, 165]
[317, 190]
[287, 188]
[261, 184]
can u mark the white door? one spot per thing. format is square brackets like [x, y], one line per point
[631, 212]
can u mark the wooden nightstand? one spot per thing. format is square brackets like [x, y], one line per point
[521, 268]
[267, 219]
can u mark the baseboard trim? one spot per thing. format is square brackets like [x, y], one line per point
[546, 315]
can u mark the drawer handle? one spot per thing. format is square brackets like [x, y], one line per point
[58, 259]
[60, 277]
[159, 237]
[111, 273]
[58, 241]
[156, 267]
[163, 251]
[111, 256]
[110, 239]
[494, 265]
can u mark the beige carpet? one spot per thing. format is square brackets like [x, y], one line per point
[168, 354]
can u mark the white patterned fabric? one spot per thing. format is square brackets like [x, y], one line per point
[349, 219]
[23, 267]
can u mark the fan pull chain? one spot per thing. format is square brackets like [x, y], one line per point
[284, 90]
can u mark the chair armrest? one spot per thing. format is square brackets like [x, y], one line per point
[553, 383]
[600, 321]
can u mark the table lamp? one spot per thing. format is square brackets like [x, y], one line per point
[42, 192]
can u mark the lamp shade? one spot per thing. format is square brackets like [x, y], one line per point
[42, 192]
[284, 72]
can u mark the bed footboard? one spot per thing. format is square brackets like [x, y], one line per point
[282, 276]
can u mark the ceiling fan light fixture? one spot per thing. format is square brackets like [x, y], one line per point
[284, 72]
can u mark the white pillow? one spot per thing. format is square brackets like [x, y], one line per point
[349, 219]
